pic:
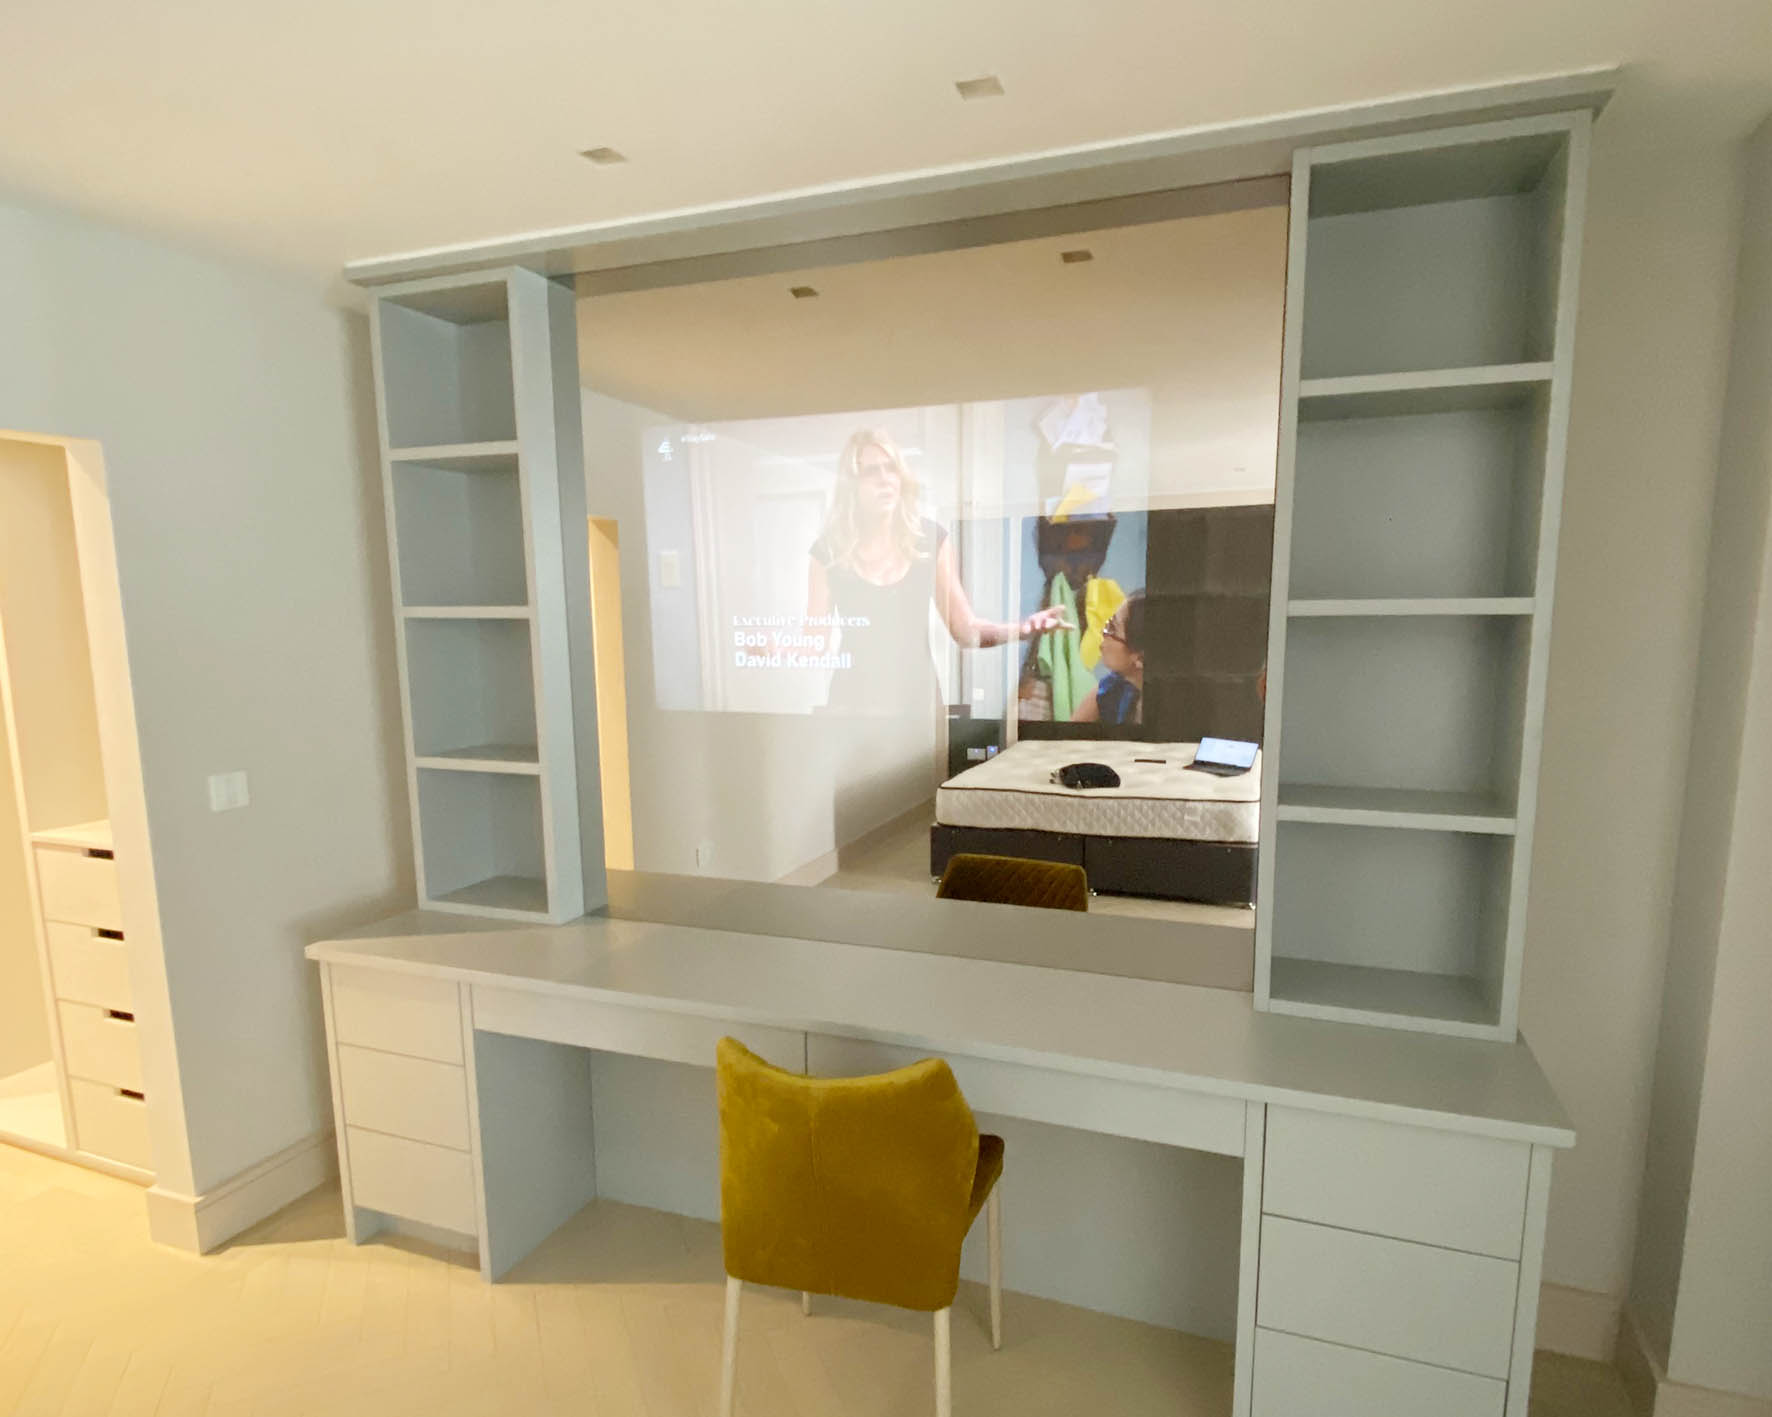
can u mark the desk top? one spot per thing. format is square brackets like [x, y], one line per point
[1167, 1035]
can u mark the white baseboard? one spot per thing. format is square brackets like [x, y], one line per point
[1578, 1322]
[202, 1223]
[1652, 1394]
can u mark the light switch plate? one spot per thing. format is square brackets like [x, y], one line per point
[228, 791]
[670, 570]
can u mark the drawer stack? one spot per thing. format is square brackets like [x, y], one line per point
[1390, 1268]
[95, 1008]
[403, 1097]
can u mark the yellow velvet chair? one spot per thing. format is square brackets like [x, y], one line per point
[1010, 880]
[857, 1187]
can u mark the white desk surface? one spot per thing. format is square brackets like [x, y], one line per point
[1168, 1035]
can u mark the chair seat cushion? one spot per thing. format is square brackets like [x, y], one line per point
[990, 1167]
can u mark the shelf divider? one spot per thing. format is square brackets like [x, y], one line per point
[1421, 391]
[517, 758]
[458, 457]
[1414, 605]
[1403, 808]
[465, 612]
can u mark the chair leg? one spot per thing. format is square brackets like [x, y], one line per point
[993, 1219]
[729, 1346]
[806, 1301]
[944, 1364]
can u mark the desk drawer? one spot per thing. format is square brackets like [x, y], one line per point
[1414, 1183]
[110, 1124]
[1389, 1296]
[1129, 1109]
[78, 889]
[624, 1028]
[407, 1097]
[100, 1047]
[412, 1180]
[1300, 1375]
[397, 1013]
[89, 968]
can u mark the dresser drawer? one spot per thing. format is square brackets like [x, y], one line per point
[78, 889]
[408, 1097]
[413, 1180]
[1295, 1376]
[100, 1047]
[1130, 1109]
[1389, 1296]
[89, 968]
[1413, 1183]
[110, 1124]
[398, 1013]
[624, 1028]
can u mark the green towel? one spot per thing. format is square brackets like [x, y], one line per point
[1060, 655]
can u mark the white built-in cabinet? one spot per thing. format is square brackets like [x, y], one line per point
[482, 457]
[1431, 319]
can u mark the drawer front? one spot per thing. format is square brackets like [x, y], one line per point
[109, 1124]
[408, 1097]
[78, 889]
[412, 1180]
[397, 1013]
[89, 968]
[99, 1047]
[1295, 1376]
[1441, 1188]
[1128, 1109]
[1389, 1296]
[637, 1032]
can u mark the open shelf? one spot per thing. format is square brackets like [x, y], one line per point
[486, 757]
[471, 684]
[446, 367]
[1431, 506]
[1488, 605]
[1358, 993]
[1421, 391]
[481, 835]
[462, 457]
[1395, 807]
[466, 612]
[458, 525]
[1405, 923]
[1421, 703]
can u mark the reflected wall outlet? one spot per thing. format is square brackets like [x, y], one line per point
[227, 791]
[704, 855]
[670, 570]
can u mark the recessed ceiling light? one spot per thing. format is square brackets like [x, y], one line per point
[989, 86]
[1071, 258]
[802, 292]
[603, 157]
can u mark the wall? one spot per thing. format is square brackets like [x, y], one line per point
[1649, 373]
[24, 1024]
[1702, 1283]
[231, 407]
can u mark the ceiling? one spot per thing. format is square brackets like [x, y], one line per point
[307, 135]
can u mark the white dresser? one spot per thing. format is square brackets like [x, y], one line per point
[88, 972]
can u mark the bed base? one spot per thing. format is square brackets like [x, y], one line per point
[1220, 873]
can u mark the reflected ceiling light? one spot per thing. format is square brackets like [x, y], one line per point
[989, 86]
[1071, 258]
[604, 157]
[802, 292]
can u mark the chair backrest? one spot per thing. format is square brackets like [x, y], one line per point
[1009, 880]
[851, 1186]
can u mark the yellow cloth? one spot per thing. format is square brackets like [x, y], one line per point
[859, 1187]
[1101, 598]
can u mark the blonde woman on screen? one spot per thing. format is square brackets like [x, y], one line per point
[878, 564]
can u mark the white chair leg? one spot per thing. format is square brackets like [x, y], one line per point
[806, 1301]
[993, 1219]
[729, 1346]
[944, 1364]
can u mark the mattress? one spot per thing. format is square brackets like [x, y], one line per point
[1014, 791]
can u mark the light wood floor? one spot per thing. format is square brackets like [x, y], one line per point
[617, 1315]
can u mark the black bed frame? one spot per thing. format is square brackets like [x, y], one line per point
[1211, 871]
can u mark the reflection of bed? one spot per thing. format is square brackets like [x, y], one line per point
[1164, 831]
